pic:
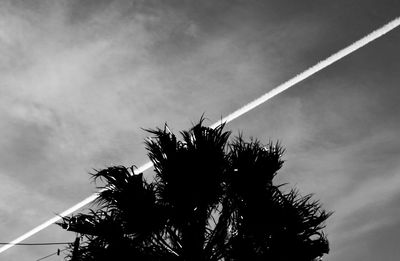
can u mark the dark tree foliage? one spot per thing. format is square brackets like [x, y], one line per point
[210, 199]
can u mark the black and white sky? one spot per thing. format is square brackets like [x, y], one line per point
[79, 79]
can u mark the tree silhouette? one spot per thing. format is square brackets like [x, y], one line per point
[210, 199]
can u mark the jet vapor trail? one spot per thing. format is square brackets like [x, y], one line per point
[310, 71]
[246, 108]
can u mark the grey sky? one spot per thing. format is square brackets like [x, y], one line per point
[78, 80]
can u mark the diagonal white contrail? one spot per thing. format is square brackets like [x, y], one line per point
[248, 107]
[312, 70]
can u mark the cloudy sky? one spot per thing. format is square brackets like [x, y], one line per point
[79, 79]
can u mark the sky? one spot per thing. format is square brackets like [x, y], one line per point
[79, 80]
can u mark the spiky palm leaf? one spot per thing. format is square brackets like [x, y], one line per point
[209, 200]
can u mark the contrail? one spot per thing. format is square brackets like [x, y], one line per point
[50, 222]
[312, 70]
[248, 107]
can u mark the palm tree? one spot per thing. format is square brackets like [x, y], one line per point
[210, 199]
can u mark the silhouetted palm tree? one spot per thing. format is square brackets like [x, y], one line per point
[210, 199]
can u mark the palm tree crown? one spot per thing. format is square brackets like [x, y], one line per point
[210, 199]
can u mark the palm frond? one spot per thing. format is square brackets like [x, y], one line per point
[211, 199]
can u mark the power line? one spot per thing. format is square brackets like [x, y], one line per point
[50, 221]
[37, 244]
[53, 254]
[248, 107]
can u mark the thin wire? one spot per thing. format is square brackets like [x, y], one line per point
[265, 97]
[50, 221]
[38, 244]
[53, 254]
